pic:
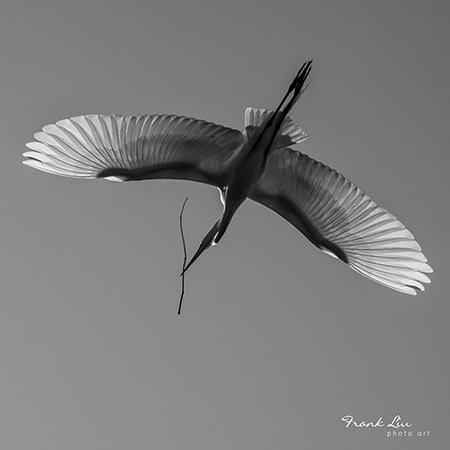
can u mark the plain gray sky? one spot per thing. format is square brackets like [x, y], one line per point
[276, 341]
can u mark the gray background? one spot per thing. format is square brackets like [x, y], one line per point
[276, 341]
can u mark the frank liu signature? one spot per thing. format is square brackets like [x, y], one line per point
[397, 426]
[396, 423]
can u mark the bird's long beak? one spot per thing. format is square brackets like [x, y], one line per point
[207, 241]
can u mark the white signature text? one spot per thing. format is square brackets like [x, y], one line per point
[395, 423]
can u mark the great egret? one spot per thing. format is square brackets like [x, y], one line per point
[256, 163]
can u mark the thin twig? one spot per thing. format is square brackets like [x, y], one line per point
[185, 256]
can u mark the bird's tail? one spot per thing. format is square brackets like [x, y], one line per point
[290, 133]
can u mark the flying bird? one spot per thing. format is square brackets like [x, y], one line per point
[258, 163]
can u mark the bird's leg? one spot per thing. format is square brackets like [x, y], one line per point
[296, 86]
[207, 241]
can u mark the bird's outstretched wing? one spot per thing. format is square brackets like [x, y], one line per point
[341, 220]
[135, 148]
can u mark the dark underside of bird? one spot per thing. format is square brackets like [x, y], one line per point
[261, 163]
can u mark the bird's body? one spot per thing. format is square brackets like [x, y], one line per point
[257, 163]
